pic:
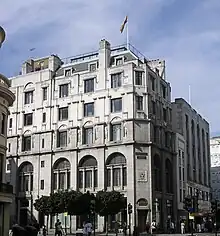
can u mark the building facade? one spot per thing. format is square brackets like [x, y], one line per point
[97, 121]
[195, 169]
[6, 190]
[215, 167]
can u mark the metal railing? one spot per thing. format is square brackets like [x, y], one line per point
[114, 51]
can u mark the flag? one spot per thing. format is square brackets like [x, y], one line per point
[123, 24]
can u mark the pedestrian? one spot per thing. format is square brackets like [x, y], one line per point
[58, 228]
[182, 226]
[88, 226]
[44, 230]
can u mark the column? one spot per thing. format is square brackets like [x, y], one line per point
[84, 186]
[121, 173]
[92, 184]
[29, 182]
[57, 186]
[66, 177]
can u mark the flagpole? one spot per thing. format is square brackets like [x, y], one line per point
[127, 36]
[189, 95]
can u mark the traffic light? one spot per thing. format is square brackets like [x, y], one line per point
[129, 208]
[214, 206]
[187, 204]
[92, 206]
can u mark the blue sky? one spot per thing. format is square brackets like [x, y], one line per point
[184, 33]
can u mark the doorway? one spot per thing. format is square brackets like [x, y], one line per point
[142, 220]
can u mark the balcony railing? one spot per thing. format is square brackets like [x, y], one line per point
[6, 188]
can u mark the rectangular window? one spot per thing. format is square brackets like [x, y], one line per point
[3, 124]
[8, 166]
[89, 85]
[152, 81]
[95, 178]
[42, 184]
[116, 132]
[63, 113]
[124, 170]
[163, 88]
[28, 119]
[154, 107]
[80, 179]
[42, 163]
[9, 147]
[139, 103]
[44, 91]
[68, 72]
[116, 105]
[116, 177]
[116, 80]
[64, 90]
[181, 196]
[180, 173]
[108, 178]
[88, 135]
[138, 77]
[92, 67]
[164, 114]
[89, 109]
[42, 143]
[10, 122]
[88, 178]
[26, 143]
[118, 61]
[61, 184]
[44, 117]
[28, 97]
[62, 139]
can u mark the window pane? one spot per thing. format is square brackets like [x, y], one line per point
[138, 77]
[68, 180]
[26, 183]
[88, 135]
[54, 181]
[61, 180]
[89, 109]
[62, 139]
[108, 177]
[95, 178]
[116, 105]
[116, 80]
[64, 90]
[89, 85]
[116, 177]
[124, 176]
[32, 179]
[116, 132]
[63, 113]
[88, 178]
[80, 179]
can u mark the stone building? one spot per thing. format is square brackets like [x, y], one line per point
[193, 155]
[97, 121]
[6, 190]
[215, 167]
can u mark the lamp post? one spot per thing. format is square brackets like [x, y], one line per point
[2, 36]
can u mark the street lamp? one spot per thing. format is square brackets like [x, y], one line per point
[2, 36]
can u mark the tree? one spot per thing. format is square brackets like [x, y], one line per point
[42, 205]
[79, 204]
[57, 202]
[109, 203]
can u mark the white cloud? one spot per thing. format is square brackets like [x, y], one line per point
[75, 26]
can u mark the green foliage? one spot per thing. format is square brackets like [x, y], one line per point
[43, 205]
[109, 203]
[57, 202]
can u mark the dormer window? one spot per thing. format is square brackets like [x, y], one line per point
[118, 61]
[68, 72]
[92, 67]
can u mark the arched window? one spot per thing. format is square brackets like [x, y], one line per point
[87, 135]
[169, 176]
[157, 173]
[25, 173]
[116, 174]
[61, 174]
[116, 129]
[88, 175]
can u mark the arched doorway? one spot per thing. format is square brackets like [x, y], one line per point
[25, 188]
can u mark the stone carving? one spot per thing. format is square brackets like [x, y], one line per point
[79, 136]
[142, 176]
[106, 132]
[125, 130]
